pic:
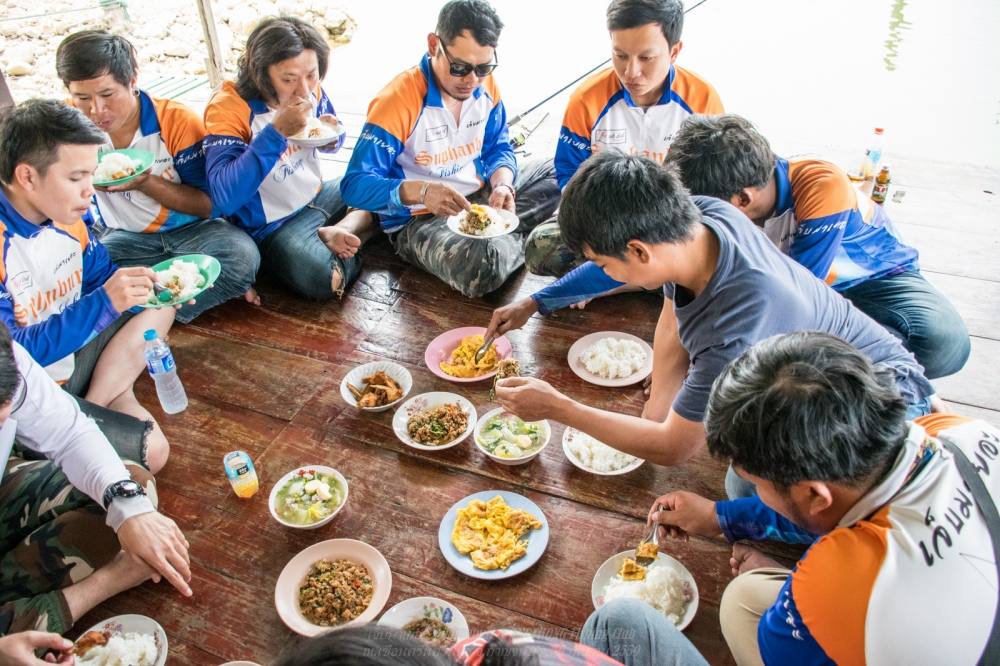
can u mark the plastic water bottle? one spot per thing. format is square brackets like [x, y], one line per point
[868, 167]
[163, 370]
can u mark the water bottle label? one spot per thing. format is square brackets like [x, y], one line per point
[161, 365]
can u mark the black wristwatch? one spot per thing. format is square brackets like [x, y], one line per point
[126, 488]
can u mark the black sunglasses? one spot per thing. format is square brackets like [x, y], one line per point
[461, 69]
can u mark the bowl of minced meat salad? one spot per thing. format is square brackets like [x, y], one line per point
[335, 592]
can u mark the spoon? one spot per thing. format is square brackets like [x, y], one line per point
[481, 352]
[654, 538]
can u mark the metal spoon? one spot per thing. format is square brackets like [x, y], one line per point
[654, 538]
[481, 352]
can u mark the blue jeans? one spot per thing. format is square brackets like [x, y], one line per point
[234, 249]
[910, 308]
[295, 254]
[636, 634]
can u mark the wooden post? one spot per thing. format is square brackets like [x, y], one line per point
[6, 98]
[215, 64]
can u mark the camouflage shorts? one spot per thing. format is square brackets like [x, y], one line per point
[51, 536]
[472, 266]
[545, 253]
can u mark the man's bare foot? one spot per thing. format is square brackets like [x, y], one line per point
[342, 243]
[581, 305]
[251, 296]
[747, 558]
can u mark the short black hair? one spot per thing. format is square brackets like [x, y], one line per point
[363, 645]
[10, 377]
[32, 132]
[717, 156]
[89, 54]
[668, 14]
[806, 406]
[615, 198]
[476, 16]
[276, 39]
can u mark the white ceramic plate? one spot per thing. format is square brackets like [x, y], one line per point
[331, 132]
[546, 436]
[612, 565]
[357, 377]
[272, 498]
[503, 222]
[137, 624]
[584, 343]
[419, 607]
[426, 401]
[569, 434]
[286, 591]
[538, 540]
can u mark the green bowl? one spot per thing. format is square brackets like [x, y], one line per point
[209, 267]
[144, 157]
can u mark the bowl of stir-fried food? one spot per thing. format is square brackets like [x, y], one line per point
[430, 619]
[452, 355]
[434, 421]
[333, 583]
[376, 387]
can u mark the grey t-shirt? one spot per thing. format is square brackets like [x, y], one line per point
[758, 292]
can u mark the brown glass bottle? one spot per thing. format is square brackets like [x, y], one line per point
[881, 190]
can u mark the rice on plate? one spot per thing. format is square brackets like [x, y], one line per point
[613, 358]
[115, 166]
[129, 649]
[182, 278]
[663, 589]
[596, 456]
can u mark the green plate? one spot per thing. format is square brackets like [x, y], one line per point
[208, 266]
[144, 157]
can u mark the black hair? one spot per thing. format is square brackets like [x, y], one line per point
[89, 54]
[668, 14]
[10, 377]
[717, 156]
[476, 16]
[615, 198]
[363, 645]
[806, 406]
[276, 39]
[32, 132]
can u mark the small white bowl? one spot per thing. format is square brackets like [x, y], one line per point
[416, 608]
[613, 565]
[136, 624]
[546, 433]
[288, 477]
[422, 402]
[570, 433]
[357, 377]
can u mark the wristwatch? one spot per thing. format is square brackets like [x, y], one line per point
[126, 488]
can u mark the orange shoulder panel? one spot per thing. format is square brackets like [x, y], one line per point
[588, 100]
[937, 422]
[180, 127]
[77, 230]
[492, 89]
[696, 92]
[227, 113]
[820, 189]
[397, 106]
[833, 583]
[3, 259]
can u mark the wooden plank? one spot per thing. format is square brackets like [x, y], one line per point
[967, 254]
[959, 211]
[988, 415]
[978, 384]
[978, 301]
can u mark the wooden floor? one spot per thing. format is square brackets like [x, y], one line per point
[266, 380]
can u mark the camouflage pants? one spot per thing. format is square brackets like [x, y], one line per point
[545, 253]
[478, 266]
[51, 536]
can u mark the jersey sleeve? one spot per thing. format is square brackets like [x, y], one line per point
[183, 133]
[825, 204]
[325, 107]
[749, 518]
[584, 282]
[574, 144]
[497, 151]
[783, 637]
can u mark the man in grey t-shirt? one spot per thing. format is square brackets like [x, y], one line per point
[727, 288]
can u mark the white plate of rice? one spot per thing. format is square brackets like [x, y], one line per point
[611, 358]
[669, 587]
[592, 455]
[133, 640]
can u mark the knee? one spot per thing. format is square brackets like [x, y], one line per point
[619, 614]
[157, 450]
[941, 345]
[239, 256]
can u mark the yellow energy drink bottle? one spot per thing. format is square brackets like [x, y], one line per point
[241, 474]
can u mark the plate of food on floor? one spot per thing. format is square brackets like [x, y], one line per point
[376, 386]
[452, 355]
[665, 584]
[123, 639]
[507, 439]
[611, 358]
[482, 221]
[434, 421]
[430, 619]
[494, 534]
[594, 456]
[331, 584]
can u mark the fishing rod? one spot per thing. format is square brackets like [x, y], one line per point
[516, 119]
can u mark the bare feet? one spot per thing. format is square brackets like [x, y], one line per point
[342, 243]
[581, 305]
[251, 296]
[747, 558]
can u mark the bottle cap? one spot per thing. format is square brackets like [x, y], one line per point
[149, 335]
[879, 130]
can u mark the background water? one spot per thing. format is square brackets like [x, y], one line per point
[813, 75]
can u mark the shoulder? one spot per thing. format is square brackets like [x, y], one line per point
[228, 113]
[180, 126]
[697, 93]
[593, 94]
[396, 107]
[820, 189]
[491, 89]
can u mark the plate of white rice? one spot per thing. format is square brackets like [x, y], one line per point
[611, 358]
[594, 456]
[117, 167]
[668, 587]
[133, 640]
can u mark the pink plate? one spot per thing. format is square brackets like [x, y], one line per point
[441, 347]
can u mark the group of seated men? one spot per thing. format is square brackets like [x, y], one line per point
[796, 338]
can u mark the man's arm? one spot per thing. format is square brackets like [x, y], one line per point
[817, 241]
[582, 283]
[749, 518]
[670, 365]
[174, 196]
[574, 145]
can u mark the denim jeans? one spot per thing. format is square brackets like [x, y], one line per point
[295, 254]
[636, 634]
[235, 250]
[910, 308]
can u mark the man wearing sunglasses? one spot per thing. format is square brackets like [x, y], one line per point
[435, 142]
